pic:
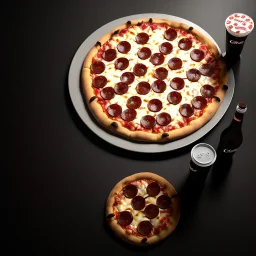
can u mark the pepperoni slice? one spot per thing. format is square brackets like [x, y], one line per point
[144, 53]
[159, 86]
[207, 91]
[157, 59]
[185, 44]
[142, 38]
[153, 189]
[125, 218]
[163, 201]
[133, 102]
[170, 34]
[193, 75]
[165, 48]
[127, 77]
[139, 69]
[151, 211]
[206, 69]
[175, 63]
[163, 119]
[148, 122]
[199, 102]
[197, 55]
[99, 81]
[161, 73]
[186, 110]
[128, 115]
[124, 47]
[177, 83]
[97, 67]
[143, 88]
[155, 105]
[144, 228]
[109, 55]
[114, 110]
[121, 63]
[138, 203]
[174, 98]
[121, 88]
[130, 191]
[107, 93]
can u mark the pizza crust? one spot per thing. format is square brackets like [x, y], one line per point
[120, 232]
[147, 136]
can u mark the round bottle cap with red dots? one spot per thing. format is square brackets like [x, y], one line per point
[239, 24]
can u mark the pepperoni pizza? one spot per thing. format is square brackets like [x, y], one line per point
[153, 80]
[143, 208]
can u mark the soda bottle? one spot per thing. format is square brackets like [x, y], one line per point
[232, 137]
[230, 140]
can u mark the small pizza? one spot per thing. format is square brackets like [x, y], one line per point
[154, 80]
[143, 208]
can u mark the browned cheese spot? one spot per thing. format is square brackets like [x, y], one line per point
[92, 99]
[114, 124]
[216, 98]
[111, 215]
[164, 135]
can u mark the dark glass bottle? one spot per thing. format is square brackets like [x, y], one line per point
[230, 140]
[232, 137]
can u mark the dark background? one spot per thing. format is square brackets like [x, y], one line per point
[60, 173]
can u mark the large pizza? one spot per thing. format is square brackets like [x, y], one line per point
[153, 80]
[143, 208]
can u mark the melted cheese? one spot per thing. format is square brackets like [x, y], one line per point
[138, 216]
[156, 38]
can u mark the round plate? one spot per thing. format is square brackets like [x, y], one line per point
[77, 100]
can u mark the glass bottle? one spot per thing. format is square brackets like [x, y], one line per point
[232, 137]
[230, 140]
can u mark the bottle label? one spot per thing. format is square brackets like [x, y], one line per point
[226, 150]
[238, 120]
[192, 169]
[236, 42]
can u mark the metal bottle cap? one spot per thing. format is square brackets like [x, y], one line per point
[203, 154]
[241, 107]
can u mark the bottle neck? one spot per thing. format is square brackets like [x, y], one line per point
[241, 108]
[238, 118]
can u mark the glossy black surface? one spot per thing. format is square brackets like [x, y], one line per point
[61, 173]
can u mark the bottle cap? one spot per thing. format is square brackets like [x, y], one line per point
[203, 154]
[241, 107]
